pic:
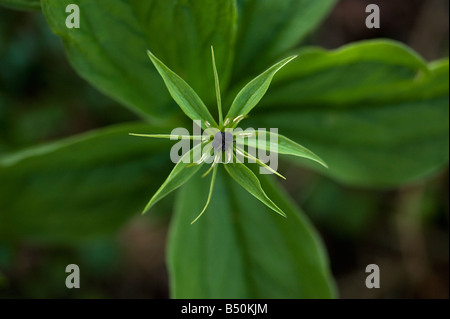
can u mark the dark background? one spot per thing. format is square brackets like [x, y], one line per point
[403, 230]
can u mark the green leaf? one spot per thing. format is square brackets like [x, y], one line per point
[180, 174]
[181, 33]
[355, 215]
[211, 188]
[21, 4]
[81, 187]
[183, 94]
[282, 144]
[171, 136]
[268, 28]
[109, 48]
[238, 249]
[374, 111]
[217, 86]
[248, 180]
[253, 92]
[257, 161]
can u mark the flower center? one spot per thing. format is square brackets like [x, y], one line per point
[222, 141]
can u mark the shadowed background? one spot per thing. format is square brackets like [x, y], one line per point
[403, 230]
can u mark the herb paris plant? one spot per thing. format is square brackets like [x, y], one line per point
[218, 141]
[374, 110]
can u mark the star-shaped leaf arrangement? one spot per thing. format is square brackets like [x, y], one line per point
[222, 142]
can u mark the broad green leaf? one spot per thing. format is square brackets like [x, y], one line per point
[181, 33]
[272, 141]
[248, 180]
[84, 186]
[239, 249]
[267, 28]
[109, 48]
[21, 4]
[363, 71]
[180, 174]
[373, 111]
[253, 92]
[183, 94]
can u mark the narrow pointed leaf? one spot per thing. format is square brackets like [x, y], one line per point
[260, 163]
[282, 145]
[182, 93]
[217, 86]
[248, 180]
[180, 174]
[170, 136]
[253, 92]
[211, 188]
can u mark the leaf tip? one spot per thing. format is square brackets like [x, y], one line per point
[280, 212]
[321, 162]
[289, 59]
[148, 206]
[152, 57]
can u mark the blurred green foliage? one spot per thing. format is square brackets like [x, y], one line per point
[376, 110]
